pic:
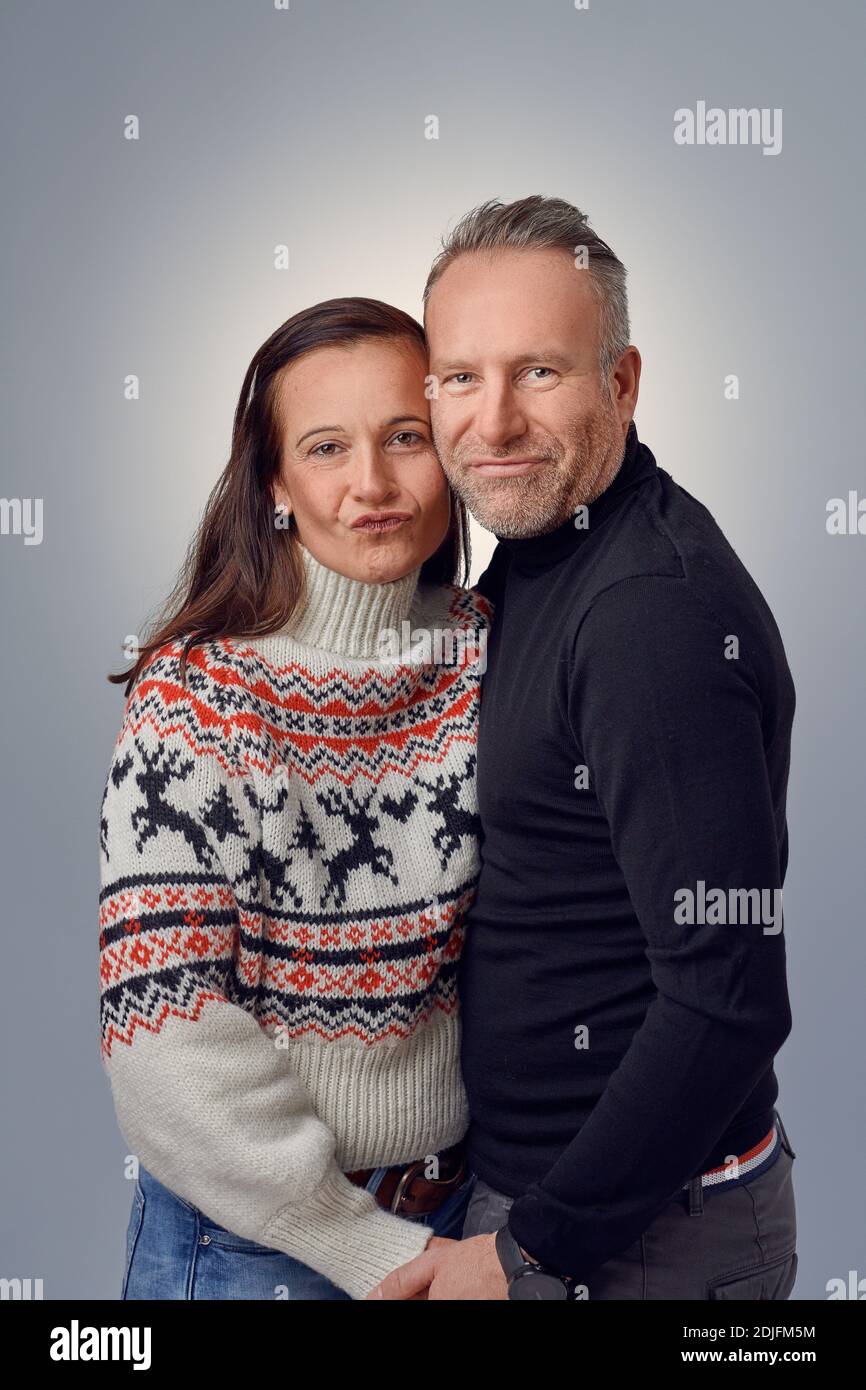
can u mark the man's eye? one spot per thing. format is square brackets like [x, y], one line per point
[533, 370]
[459, 378]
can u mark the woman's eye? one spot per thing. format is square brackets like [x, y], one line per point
[405, 437]
[324, 450]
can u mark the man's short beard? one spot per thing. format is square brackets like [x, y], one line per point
[574, 472]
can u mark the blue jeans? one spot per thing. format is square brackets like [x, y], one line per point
[174, 1251]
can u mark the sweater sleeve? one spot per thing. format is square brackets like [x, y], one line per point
[671, 730]
[206, 1099]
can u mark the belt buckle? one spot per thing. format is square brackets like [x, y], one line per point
[407, 1176]
[411, 1172]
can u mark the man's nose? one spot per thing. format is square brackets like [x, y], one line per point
[499, 415]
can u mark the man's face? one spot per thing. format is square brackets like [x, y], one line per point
[525, 427]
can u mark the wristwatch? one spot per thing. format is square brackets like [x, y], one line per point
[526, 1279]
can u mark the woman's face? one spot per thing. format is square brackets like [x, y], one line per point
[357, 448]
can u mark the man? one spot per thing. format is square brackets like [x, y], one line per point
[623, 981]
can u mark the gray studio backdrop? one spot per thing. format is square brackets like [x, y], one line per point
[309, 127]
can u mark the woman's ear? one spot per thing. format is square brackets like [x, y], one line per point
[280, 497]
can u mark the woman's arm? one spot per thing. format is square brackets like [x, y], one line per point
[204, 1097]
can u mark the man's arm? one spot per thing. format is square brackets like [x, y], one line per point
[671, 732]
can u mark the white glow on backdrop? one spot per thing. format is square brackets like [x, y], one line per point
[307, 127]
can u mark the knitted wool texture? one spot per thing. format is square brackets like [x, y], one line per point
[288, 850]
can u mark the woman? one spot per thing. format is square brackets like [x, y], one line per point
[289, 843]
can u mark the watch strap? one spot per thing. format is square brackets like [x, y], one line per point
[516, 1266]
[510, 1254]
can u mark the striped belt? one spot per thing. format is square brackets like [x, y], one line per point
[747, 1166]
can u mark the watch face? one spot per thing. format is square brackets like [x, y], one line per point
[534, 1283]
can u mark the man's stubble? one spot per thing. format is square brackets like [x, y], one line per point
[576, 470]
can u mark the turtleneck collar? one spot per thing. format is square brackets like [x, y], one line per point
[345, 615]
[532, 553]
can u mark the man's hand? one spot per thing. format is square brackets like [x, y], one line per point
[455, 1269]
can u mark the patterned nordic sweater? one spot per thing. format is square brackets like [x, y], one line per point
[288, 850]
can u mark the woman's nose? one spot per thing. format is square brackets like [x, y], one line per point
[372, 477]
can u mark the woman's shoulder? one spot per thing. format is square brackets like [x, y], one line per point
[176, 673]
[451, 605]
[186, 697]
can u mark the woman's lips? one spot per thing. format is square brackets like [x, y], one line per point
[381, 521]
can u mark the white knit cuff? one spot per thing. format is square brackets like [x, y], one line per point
[343, 1233]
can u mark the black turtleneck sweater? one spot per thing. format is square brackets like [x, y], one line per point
[611, 1050]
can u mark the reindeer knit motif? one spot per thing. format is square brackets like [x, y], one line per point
[288, 849]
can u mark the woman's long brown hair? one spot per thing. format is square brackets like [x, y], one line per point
[243, 575]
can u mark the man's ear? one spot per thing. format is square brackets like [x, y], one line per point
[625, 384]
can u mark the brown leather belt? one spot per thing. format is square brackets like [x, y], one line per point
[404, 1189]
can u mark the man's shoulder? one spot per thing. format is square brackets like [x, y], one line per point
[671, 585]
[490, 582]
[640, 541]
[664, 533]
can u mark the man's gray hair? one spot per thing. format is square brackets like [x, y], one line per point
[536, 222]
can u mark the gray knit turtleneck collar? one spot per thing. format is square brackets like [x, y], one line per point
[346, 615]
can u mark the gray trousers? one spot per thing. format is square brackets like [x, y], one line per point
[734, 1242]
